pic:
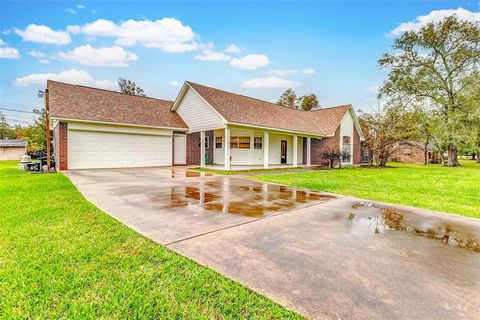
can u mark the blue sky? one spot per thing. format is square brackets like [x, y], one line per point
[327, 48]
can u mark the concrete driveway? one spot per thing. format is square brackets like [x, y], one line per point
[327, 257]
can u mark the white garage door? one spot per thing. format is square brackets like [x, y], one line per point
[89, 149]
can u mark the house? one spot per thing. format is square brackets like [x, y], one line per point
[414, 152]
[12, 149]
[95, 128]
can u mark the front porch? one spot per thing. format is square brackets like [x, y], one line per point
[239, 148]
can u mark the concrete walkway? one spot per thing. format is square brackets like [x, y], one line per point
[327, 257]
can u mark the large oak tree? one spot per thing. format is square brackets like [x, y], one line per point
[435, 65]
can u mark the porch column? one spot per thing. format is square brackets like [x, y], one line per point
[226, 148]
[309, 146]
[265, 149]
[202, 149]
[295, 151]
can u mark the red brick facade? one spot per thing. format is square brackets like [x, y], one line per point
[193, 148]
[320, 145]
[61, 146]
[357, 147]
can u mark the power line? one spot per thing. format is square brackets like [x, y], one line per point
[16, 110]
[20, 121]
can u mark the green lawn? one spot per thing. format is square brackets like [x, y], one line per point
[61, 257]
[454, 190]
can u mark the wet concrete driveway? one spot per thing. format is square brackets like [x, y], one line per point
[325, 257]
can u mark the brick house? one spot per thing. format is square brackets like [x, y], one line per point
[96, 128]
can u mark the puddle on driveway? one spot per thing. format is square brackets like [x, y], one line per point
[182, 173]
[234, 196]
[382, 220]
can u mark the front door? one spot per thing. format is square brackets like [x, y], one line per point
[283, 150]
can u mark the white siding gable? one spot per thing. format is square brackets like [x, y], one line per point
[197, 113]
[346, 129]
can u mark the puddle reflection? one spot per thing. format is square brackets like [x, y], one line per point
[387, 219]
[182, 173]
[252, 200]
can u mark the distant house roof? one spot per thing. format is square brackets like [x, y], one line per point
[13, 143]
[241, 109]
[68, 101]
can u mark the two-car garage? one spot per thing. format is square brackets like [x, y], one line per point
[93, 146]
[95, 128]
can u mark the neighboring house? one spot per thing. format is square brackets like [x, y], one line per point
[96, 128]
[414, 152]
[12, 149]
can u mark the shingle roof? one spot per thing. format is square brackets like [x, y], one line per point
[13, 143]
[246, 110]
[84, 103]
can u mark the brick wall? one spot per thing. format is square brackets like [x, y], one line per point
[357, 147]
[320, 145]
[409, 154]
[193, 148]
[61, 147]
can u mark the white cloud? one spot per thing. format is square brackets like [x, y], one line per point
[43, 34]
[209, 55]
[250, 62]
[434, 16]
[167, 34]
[80, 6]
[71, 76]
[282, 72]
[269, 82]
[308, 71]
[37, 54]
[175, 83]
[2, 43]
[232, 48]
[70, 10]
[104, 56]
[9, 53]
[373, 90]
[44, 61]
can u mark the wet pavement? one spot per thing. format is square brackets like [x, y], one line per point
[327, 257]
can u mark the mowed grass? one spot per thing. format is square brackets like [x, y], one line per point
[453, 190]
[61, 257]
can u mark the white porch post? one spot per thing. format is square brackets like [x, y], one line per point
[226, 148]
[202, 149]
[309, 146]
[265, 149]
[295, 151]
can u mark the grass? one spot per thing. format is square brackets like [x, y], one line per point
[224, 172]
[453, 190]
[61, 257]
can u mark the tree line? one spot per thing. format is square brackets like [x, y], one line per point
[431, 94]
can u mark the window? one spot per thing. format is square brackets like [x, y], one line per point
[257, 143]
[240, 142]
[346, 149]
[218, 142]
[206, 143]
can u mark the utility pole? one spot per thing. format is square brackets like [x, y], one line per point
[42, 94]
[47, 126]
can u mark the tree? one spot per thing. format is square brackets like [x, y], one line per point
[288, 99]
[333, 156]
[433, 65]
[388, 130]
[4, 127]
[130, 87]
[309, 102]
